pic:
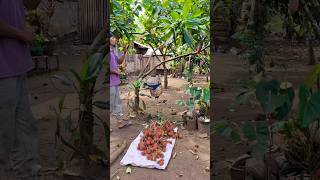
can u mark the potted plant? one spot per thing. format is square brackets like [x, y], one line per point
[198, 108]
[41, 19]
[37, 48]
[48, 10]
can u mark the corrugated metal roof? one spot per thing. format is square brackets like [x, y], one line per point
[150, 52]
[141, 45]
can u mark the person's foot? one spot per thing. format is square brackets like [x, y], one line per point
[121, 117]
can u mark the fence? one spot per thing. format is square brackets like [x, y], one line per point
[135, 63]
[92, 18]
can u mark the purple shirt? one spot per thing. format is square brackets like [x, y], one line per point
[114, 79]
[15, 58]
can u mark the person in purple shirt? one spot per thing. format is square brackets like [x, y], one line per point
[115, 101]
[18, 130]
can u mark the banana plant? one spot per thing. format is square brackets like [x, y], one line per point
[84, 85]
[313, 78]
[135, 101]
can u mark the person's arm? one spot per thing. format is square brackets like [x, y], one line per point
[112, 71]
[8, 31]
[122, 58]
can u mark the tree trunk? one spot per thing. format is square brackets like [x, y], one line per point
[182, 69]
[86, 130]
[165, 74]
[312, 58]
[137, 101]
[190, 69]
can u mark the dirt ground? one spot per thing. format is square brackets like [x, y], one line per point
[228, 71]
[184, 166]
[45, 92]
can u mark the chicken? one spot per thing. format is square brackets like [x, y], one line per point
[154, 84]
[156, 92]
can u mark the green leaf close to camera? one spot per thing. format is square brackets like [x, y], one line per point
[311, 110]
[102, 105]
[269, 96]
[61, 102]
[304, 95]
[186, 8]
[76, 75]
[313, 76]
[95, 65]
[84, 70]
[187, 37]
[249, 131]
[65, 80]
[259, 150]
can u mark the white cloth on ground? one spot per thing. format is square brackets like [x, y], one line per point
[134, 157]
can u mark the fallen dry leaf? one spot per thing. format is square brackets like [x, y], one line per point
[173, 113]
[174, 155]
[93, 157]
[180, 174]
[204, 135]
[129, 170]
[193, 152]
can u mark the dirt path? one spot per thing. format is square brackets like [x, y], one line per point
[185, 164]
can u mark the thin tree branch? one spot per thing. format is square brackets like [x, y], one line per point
[149, 60]
[155, 54]
[145, 67]
[171, 59]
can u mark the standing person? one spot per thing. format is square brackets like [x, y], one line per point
[115, 101]
[18, 130]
